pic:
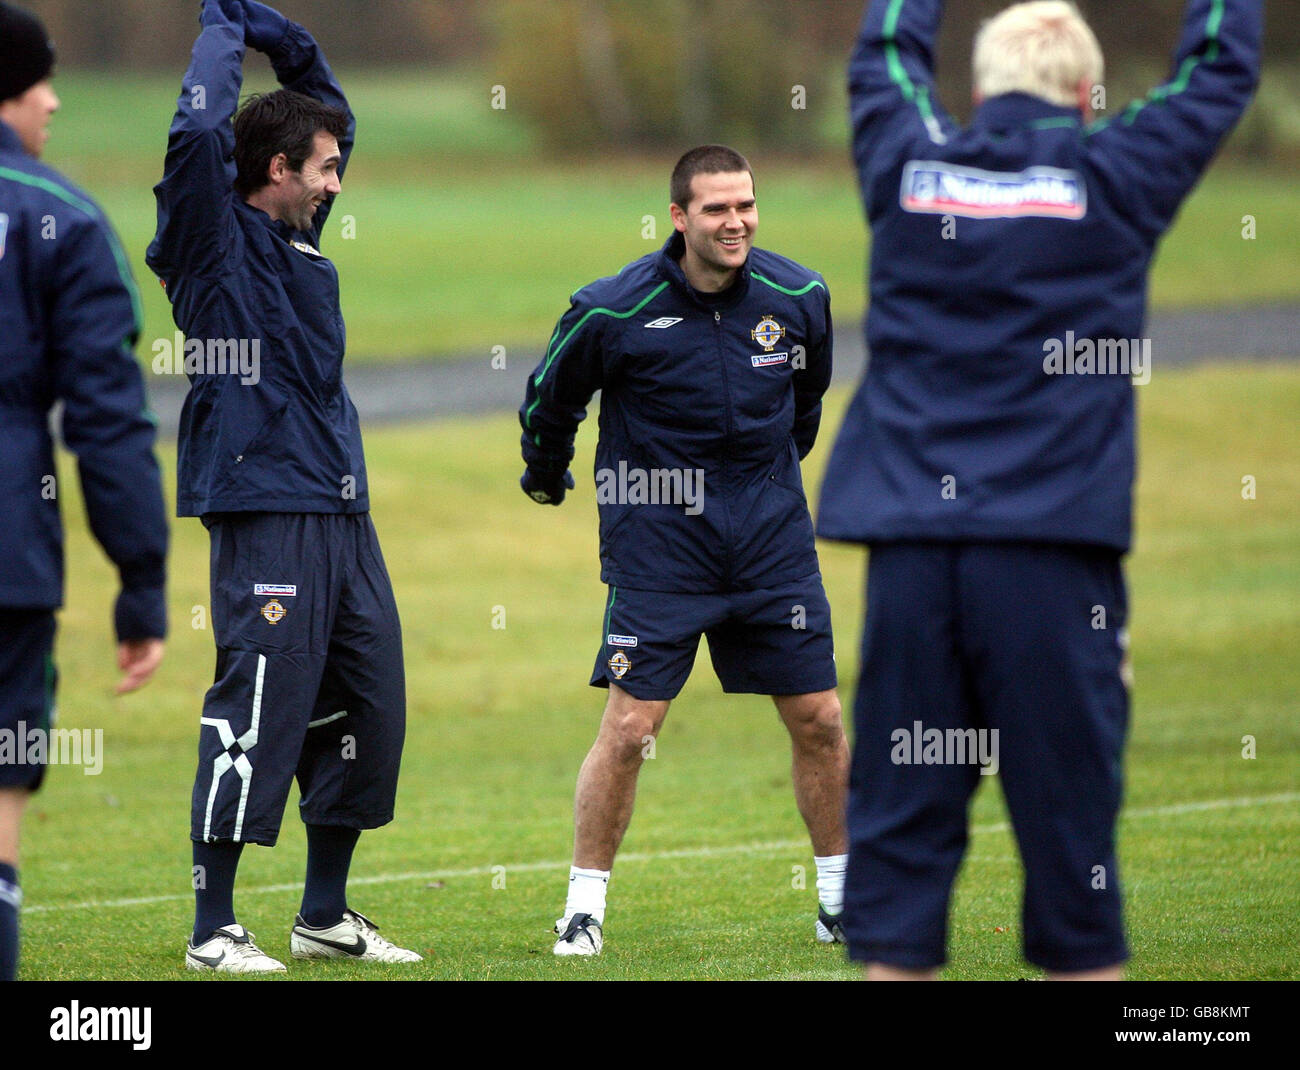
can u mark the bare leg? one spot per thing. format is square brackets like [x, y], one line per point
[878, 971]
[602, 806]
[820, 766]
[1106, 973]
[12, 802]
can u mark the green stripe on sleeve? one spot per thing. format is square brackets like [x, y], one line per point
[918, 95]
[777, 286]
[556, 349]
[1185, 70]
[82, 205]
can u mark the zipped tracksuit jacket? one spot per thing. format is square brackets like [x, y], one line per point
[988, 458]
[309, 679]
[69, 321]
[733, 392]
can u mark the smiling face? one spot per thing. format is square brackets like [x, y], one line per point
[29, 115]
[294, 196]
[718, 225]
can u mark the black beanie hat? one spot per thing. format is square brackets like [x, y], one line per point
[26, 54]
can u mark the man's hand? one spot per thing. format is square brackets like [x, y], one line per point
[264, 27]
[137, 658]
[545, 489]
[221, 13]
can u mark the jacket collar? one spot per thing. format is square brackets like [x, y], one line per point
[9, 140]
[670, 267]
[277, 226]
[1009, 110]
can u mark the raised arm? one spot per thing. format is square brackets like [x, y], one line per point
[196, 194]
[300, 65]
[891, 82]
[1159, 147]
[95, 324]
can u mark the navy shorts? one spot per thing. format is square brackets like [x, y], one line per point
[765, 642]
[309, 682]
[27, 683]
[963, 641]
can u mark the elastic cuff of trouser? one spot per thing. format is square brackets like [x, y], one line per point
[360, 822]
[902, 958]
[262, 839]
[1076, 961]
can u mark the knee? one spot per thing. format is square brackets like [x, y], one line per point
[630, 731]
[817, 721]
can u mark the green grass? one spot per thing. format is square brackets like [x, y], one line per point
[466, 239]
[500, 720]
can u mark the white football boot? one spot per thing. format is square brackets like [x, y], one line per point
[230, 950]
[579, 935]
[830, 929]
[354, 937]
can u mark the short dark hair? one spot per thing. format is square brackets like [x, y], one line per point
[704, 160]
[268, 124]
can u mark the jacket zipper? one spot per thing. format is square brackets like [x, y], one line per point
[726, 445]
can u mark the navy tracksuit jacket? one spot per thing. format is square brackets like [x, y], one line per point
[292, 442]
[69, 320]
[1053, 227]
[996, 493]
[732, 391]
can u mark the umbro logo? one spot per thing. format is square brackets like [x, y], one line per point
[664, 322]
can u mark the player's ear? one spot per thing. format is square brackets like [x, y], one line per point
[1084, 90]
[277, 168]
[678, 215]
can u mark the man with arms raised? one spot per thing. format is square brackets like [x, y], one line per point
[309, 679]
[990, 471]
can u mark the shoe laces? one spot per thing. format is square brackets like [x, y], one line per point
[370, 931]
[244, 949]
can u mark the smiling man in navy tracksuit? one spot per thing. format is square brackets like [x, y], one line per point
[309, 679]
[69, 320]
[988, 457]
[711, 357]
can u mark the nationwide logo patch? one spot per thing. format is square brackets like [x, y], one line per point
[764, 360]
[937, 188]
[619, 665]
[767, 333]
[621, 640]
[4, 230]
[275, 590]
[664, 322]
[273, 612]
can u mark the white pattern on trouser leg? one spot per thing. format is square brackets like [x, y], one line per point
[241, 765]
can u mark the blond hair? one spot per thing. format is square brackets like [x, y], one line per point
[1043, 48]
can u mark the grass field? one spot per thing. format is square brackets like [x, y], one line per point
[465, 239]
[500, 720]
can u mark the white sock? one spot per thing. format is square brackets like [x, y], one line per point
[587, 893]
[830, 882]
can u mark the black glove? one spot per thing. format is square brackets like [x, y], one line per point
[544, 488]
